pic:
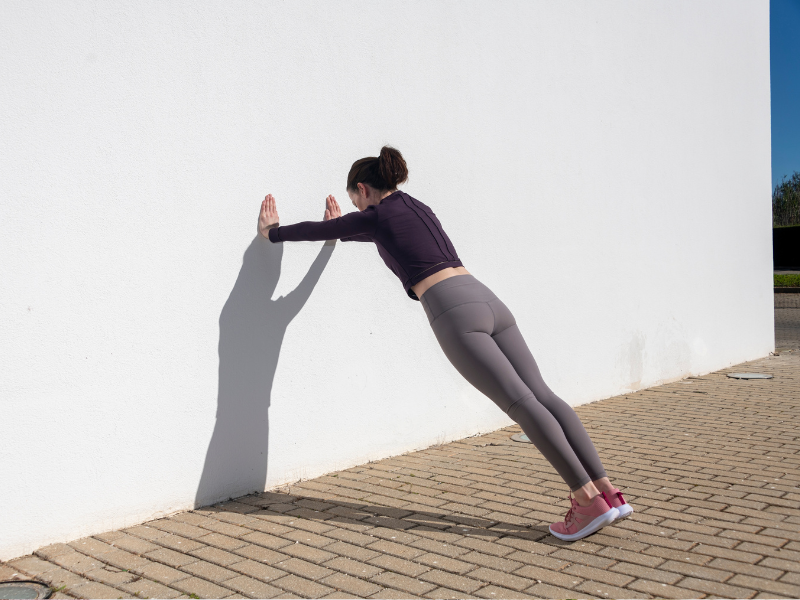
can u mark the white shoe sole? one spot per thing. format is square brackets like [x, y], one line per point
[625, 511]
[601, 521]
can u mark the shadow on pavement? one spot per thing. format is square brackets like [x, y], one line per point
[277, 507]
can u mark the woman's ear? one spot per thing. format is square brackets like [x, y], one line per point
[362, 190]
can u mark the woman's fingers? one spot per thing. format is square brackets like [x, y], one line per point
[330, 209]
[269, 213]
[333, 206]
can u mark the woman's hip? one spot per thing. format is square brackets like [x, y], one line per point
[462, 302]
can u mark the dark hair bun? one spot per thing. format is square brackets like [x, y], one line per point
[392, 167]
[383, 172]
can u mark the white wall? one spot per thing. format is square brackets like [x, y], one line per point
[603, 167]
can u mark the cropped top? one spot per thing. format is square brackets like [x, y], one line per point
[409, 237]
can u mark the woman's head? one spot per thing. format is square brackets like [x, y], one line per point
[372, 178]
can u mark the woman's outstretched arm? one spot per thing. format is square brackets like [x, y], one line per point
[334, 226]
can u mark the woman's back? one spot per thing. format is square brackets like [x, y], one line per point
[410, 239]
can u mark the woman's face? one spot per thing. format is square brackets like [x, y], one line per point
[359, 197]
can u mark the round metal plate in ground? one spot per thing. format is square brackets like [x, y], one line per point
[520, 437]
[19, 590]
[749, 376]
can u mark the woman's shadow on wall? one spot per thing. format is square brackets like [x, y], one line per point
[251, 330]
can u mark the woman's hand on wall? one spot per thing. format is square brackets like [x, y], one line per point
[332, 209]
[268, 217]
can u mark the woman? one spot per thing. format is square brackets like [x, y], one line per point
[475, 329]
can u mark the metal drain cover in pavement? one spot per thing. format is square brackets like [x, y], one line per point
[749, 376]
[18, 590]
[520, 437]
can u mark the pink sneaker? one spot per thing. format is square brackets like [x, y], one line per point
[615, 500]
[583, 520]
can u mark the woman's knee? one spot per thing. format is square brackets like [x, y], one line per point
[523, 407]
[554, 404]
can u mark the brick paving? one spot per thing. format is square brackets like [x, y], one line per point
[711, 465]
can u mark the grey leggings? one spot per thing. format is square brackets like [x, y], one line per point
[479, 335]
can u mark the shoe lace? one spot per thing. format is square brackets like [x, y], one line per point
[572, 504]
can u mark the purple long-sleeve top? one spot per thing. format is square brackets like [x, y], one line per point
[409, 237]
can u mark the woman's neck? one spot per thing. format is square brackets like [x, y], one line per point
[388, 193]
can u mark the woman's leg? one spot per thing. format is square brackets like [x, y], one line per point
[510, 341]
[464, 333]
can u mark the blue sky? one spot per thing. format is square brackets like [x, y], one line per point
[784, 26]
